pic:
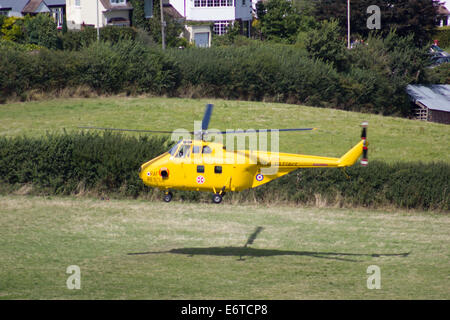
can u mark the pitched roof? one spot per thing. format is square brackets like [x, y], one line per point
[110, 7]
[443, 11]
[434, 97]
[15, 5]
[29, 6]
[171, 11]
[32, 6]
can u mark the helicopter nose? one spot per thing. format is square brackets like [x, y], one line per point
[144, 171]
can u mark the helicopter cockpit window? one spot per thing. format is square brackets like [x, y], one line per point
[174, 149]
[183, 151]
[206, 149]
[195, 149]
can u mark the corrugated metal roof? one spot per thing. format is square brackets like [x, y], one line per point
[434, 97]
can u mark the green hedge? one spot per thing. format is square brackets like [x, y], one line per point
[108, 164]
[375, 82]
[278, 73]
[78, 39]
[62, 164]
[124, 67]
[443, 36]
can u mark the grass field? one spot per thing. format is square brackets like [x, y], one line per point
[391, 139]
[141, 250]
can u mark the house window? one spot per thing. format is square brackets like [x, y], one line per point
[4, 12]
[77, 3]
[117, 1]
[148, 9]
[58, 16]
[213, 3]
[221, 27]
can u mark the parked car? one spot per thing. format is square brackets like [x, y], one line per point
[438, 56]
[435, 50]
[438, 60]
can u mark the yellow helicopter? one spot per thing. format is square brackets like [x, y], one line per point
[201, 165]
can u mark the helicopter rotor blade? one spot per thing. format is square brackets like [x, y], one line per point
[207, 117]
[266, 130]
[133, 130]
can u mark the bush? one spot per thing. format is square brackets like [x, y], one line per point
[11, 29]
[327, 44]
[403, 185]
[439, 74]
[41, 30]
[443, 36]
[77, 39]
[256, 72]
[379, 72]
[60, 164]
[127, 66]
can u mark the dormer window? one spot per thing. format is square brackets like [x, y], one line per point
[116, 2]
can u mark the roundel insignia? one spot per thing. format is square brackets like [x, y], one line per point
[149, 174]
[200, 180]
[259, 177]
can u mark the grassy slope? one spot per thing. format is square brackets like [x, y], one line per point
[392, 139]
[140, 250]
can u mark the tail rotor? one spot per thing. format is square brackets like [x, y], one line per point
[365, 157]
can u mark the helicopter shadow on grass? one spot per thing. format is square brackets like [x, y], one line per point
[246, 251]
[253, 252]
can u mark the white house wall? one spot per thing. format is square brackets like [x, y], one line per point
[210, 14]
[187, 9]
[86, 13]
[179, 5]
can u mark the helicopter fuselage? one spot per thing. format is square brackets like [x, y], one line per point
[207, 166]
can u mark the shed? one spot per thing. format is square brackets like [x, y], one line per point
[431, 102]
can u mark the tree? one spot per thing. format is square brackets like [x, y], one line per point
[152, 25]
[327, 44]
[11, 29]
[41, 30]
[279, 20]
[417, 17]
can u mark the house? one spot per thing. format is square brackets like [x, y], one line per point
[199, 15]
[98, 13]
[443, 16]
[20, 8]
[431, 103]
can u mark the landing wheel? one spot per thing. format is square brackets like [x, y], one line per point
[168, 196]
[217, 198]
